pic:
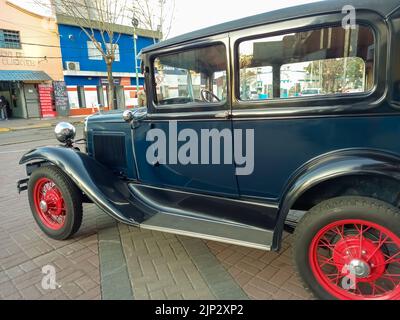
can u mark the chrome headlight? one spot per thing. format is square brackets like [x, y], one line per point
[65, 132]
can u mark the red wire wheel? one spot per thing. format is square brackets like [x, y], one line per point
[49, 204]
[357, 260]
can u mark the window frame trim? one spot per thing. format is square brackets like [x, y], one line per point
[98, 56]
[18, 44]
[319, 104]
[184, 109]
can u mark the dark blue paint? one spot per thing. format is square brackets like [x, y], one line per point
[210, 179]
[284, 146]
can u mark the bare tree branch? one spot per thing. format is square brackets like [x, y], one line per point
[97, 20]
[156, 15]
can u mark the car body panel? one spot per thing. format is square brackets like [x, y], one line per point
[299, 142]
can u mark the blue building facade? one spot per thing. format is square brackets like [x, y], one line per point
[85, 71]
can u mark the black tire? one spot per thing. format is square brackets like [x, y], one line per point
[72, 200]
[330, 212]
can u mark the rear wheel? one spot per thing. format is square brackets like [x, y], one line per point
[55, 202]
[348, 248]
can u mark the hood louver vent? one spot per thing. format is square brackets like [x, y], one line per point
[110, 150]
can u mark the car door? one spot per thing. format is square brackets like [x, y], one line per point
[187, 116]
[291, 84]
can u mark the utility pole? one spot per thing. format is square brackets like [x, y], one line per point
[135, 24]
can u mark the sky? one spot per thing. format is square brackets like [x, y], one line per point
[191, 15]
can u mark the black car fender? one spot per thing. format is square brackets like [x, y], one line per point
[330, 166]
[96, 181]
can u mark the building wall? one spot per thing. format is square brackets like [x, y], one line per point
[74, 48]
[92, 73]
[34, 29]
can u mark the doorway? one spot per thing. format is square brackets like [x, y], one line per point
[32, 100]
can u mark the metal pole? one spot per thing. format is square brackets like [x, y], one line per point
[136, 63]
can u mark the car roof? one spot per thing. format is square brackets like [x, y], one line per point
[385, 9]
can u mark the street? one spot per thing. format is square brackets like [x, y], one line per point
[106, 260]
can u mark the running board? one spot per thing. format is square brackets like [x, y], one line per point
[210, 230]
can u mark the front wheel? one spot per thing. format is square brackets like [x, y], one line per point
[55, 202]
[348, 248]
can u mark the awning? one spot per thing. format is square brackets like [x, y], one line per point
[22, 75]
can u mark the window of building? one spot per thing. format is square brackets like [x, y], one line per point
[192, 76]
[93, 52]
[10, 39]
[320, 62]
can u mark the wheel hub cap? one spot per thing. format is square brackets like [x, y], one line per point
[43, 206]
[359, 268]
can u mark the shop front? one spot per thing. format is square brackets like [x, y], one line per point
[21, 91]
[88, 95]
[26, 70]
[33, 94]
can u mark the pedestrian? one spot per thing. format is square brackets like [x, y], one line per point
[3, 108]
[142, 99]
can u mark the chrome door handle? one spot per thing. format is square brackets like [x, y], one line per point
[224, 115]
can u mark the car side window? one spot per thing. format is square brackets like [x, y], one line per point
[319, 62]
[196, 76]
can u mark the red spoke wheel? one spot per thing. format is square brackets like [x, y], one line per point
[55, 202]
[349, 249]
[49, 204]
[356, 259]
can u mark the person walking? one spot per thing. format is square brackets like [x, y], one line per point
[3, 108]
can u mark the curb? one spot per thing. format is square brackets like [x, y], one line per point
[36, 126]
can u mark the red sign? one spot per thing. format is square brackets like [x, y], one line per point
[125, 82]
[47, 107]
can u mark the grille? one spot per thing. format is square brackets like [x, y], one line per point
[110, 150]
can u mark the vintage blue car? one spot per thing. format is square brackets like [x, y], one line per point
[229, 149]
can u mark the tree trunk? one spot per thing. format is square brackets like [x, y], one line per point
[111, 87]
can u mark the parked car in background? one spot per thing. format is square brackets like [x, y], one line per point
[333, 155]
[311, 92]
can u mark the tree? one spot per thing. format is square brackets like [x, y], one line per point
[336, 75]
[156, 15]
[97, 19]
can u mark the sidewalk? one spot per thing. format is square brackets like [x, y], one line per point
[26, 124]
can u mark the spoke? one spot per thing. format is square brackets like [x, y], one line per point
[390, 260]
[390, 279]
[326, 244]
[339, 232]
[362, 230]
[361, 240]
[373, 288]
[380, 244]
[343, 236]
[391, 275]
[326, 261]
[336, 278]
[380, 288]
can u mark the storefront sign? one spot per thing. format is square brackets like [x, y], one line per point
[10, 58]
[104, 81]
[125, 82]
[61, 98]
[46, 101]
